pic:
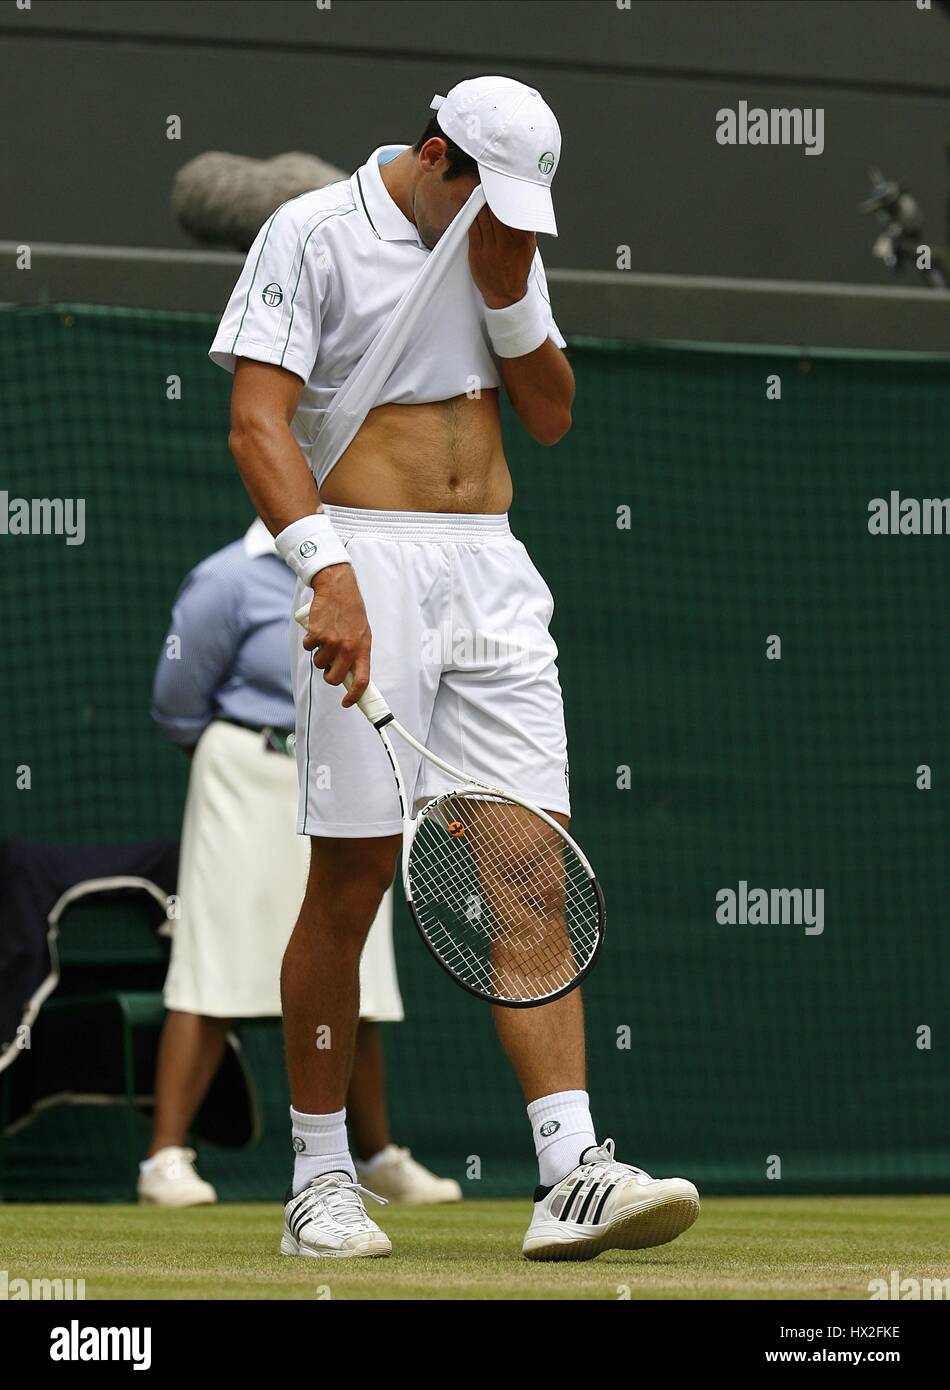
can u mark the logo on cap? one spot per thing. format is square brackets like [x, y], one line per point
[272, 295]
[546, 162]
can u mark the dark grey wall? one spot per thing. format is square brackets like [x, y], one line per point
[86, 86]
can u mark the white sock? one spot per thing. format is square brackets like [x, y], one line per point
[562, 1129]
[321, 1146]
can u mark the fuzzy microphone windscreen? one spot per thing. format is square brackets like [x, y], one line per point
[224, 199]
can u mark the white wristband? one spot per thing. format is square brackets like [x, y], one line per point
[310, 545]
[521, 327]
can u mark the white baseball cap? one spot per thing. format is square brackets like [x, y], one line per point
[513, 136]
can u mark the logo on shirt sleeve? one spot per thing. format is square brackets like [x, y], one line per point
[272, 295]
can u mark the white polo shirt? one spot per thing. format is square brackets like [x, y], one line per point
[323, 276]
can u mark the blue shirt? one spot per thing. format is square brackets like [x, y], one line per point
[231, 659]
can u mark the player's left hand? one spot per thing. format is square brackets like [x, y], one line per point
[500, 259]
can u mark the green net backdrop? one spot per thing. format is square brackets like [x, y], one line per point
[715, 1050]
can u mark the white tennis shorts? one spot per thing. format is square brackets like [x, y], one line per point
[462, 654]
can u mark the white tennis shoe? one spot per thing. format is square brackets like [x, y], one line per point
[169, 1179]
[328, 1218]
[605, 1205]
[398, 1177]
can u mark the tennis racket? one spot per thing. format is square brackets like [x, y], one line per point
[502, 896]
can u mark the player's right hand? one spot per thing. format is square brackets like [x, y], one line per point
[338, 630]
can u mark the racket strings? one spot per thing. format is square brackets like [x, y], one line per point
[502, 897]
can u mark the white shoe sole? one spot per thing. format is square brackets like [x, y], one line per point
[378, 1250]
[656, 1221]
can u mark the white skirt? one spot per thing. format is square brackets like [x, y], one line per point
[241, 881]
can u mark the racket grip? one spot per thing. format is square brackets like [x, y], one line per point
[371, 702]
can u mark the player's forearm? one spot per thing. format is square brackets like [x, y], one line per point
[540, 386]
[274, 471]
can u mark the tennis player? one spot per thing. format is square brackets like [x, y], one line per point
[405, 537]
[222, 692]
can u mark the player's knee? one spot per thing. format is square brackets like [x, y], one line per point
[348, 879]
[534, 851]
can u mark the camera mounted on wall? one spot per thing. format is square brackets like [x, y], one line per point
[900, 243]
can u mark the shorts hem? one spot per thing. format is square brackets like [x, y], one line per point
[350, 830]
[549, 804]
[375, 830]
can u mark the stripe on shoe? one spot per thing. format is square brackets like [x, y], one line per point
[592, 1192]
[593, 1189]
[299, 1215]
[569, 1202]
[600, 1205]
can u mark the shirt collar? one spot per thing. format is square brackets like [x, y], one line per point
[258, 540]
[376, 204]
